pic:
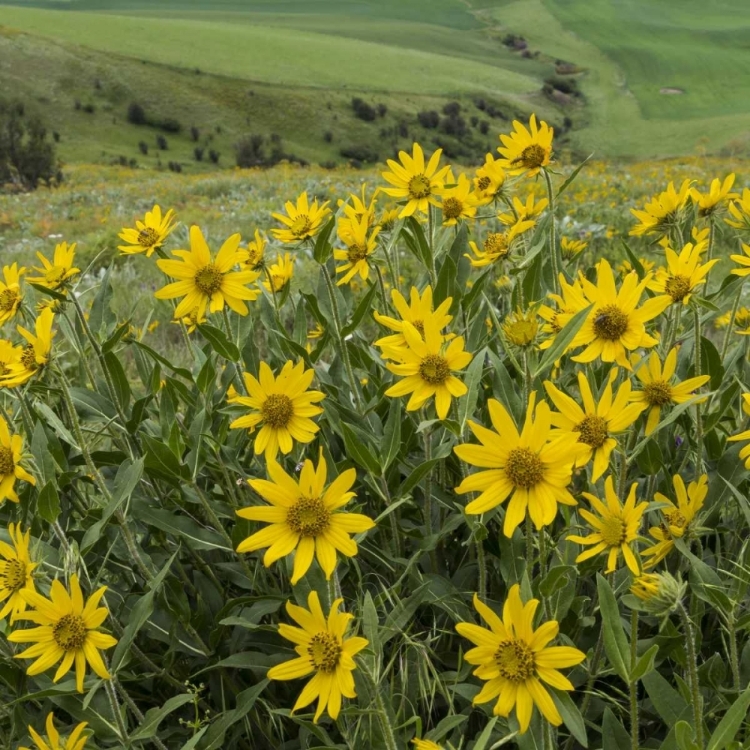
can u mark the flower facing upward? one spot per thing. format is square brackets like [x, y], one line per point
[663, 211]
[532, 467]
[324, 652]
[67, 629]
[684, 273]
[205, 282]
[426, 365]
[60, 270]
[301, 221]
[677, 518]
[531, 210]
[279, 273]
[571, 249]
[253, 258]
[497, 245]
[149, 234]
[520, 328]
[414, 182]
[10, 292]
[359, 248]
[415, 312]
[35, 354]
[283, 405]
[489, 181]
[657, 391]
[615, 529]
[616, 324]
[74, 741]
[527, 151]
[355, 209]
[458, 202]
[740, 211]
[515, 659]
[304, 516]
[16, 569]
[594, 424]
[717, 197]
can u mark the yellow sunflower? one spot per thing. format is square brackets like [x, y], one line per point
[625, 266]
[458, 202]
[716, 198]
[324, 651]
[355, 209]
[743, 260]
[515, 659]
[745, 452]
[302, 221]
[425, 744]
[489, 181]
[192, 320]
[10, 292]
[253, 258]
[283, 406]
[10, 359]
[677, 518]
[684, 273]
[304, 516]
[34, 356]
[520, 328]
[59, 271]
[67, 629]
[427, 366]
[646, 586]
[740, 210]
[149, 234]
[74, 741]
[568, 303]
[359, 248]
[532, 466]
[415, 312]
[571, 249]
[615, 529]
[531, 210]
[657, 391]
[664, 211]
[16, 567]
[415, 183]
[205, 282]
[594, 424]
[279, 273]
[527, 151]
[616, 324]
[497, 245]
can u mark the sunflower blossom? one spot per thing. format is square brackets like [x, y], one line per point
[677, 518]
[355, 208]
[10, 292]
[279, 274]
[657, 391]
[664, 211]
[149, 234]
[520, 328]
[55, 274]
[10, 359]
[324, 652]
[34, 356]
[595, 424]
[415, 183]
[426, 365]
[570, 248]
[497, 245]
[359, 248]
[283, 406]
[527, 151]
[646, 586]
[304, 516]
[740, 211]
[571, 301]
[716, 198]
[515, 659]
[16, 567]
[67, 631]
[253, 258]
[616, 324]
[742, 260]
[615, 529]
[489, 181]
[530, 210]
[683, 275]
[458, 202]
[74, 741]
[533, 467]
[302, 221]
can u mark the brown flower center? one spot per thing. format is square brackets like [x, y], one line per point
[496, 243]
[613, 531]
[610, 323]
[483, 183]
[675, 518]
[301, 226]
[419, 325]
[677, 287]
[524, 468]
[324, 651]
[434, 369]
[277, 410]
[532, 157]
[593, 431]
[254, 259]
[515, 660]
[208, 279]
[7, 464]
[452, 208]
[9, 298]
[308, 517]
[356, 253]
[14, 575]
[148, 237]
[419, 187]
[28, 358]
[658, 393]
[70, 632]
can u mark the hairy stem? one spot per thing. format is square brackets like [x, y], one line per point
[692, 659]
[552, 233]
[633, 683]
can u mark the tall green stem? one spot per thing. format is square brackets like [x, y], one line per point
[730, 324]
[692, 665]
[595, 659]
[633, 683]
[698, 415]
[552, 233]
[122, 730]
[389, 737]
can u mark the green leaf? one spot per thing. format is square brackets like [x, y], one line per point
[446, 280]
[192, 743]
[403, 613]
[685, 735]
[180, 526]
[472, 380]
[323, 249]
[669, 704]
[562, 341]
[57, 426]
[160, 458]
[645, 664]
[364, 307]
[119, 379]
[416, 477]
[245, 702]
[556, 579]
[219, 342]
[571, 716]
[48, 503]
[417, 242]
[614, 734]
[391, 445]
[730, 723]
[674, 414]
[154, 716]
[483, 740]
[573, 175]
[615, 640]
[358, 451]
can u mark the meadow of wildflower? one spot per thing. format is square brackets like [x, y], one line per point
[421, 456]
